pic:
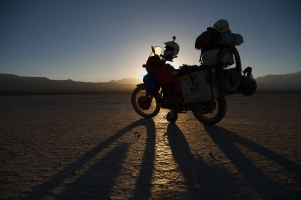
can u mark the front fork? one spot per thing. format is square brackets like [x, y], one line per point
[157, 95]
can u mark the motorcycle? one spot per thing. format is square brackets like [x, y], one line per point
[200, 89]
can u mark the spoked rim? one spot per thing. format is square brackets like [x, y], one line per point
[210, 112]
[211, 109]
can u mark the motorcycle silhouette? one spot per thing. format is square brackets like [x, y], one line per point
[200, 89]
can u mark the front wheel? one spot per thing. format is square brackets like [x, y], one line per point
[145, 105]
[210, 112]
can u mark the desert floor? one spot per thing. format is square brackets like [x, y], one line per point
[97, 147]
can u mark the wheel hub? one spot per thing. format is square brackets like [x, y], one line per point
[208, 107]
[144, 102]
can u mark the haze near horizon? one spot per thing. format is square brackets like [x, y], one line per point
[99, 41]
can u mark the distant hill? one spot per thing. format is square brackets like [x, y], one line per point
[280, 83]
[17, 85]
[127, 81]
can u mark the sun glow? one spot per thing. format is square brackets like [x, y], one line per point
[142, 73]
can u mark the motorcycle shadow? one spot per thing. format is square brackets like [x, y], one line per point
[98, 177]
[202, 180]
[250, 176]
[214, 181]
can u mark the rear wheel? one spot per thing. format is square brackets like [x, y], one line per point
[145, 105]
[210, 112]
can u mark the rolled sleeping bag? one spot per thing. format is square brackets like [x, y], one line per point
[231, 38]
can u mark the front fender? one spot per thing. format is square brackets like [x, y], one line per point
[141, 85]
[156, 95]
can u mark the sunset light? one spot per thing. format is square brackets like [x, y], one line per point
[38, 38]
[142, 73]
[217, 115]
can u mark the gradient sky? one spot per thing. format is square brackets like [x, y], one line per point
[103, 40]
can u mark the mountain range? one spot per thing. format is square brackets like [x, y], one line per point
[17, 85]
[280, 83]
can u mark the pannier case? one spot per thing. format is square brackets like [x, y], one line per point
[199, 86]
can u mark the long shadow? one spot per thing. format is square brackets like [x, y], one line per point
[99, 179]
[143, 182]
[253, 176]
[69, 171]
[202, 180]
[215, 182]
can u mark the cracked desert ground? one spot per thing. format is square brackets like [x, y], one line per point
[97, 147]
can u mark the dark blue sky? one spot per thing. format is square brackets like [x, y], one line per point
[97, 41]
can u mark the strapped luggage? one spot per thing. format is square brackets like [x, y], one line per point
[151, 83]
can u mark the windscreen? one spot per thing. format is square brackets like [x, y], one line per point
[158, 51]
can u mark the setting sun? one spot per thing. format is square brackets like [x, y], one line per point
[142, 73]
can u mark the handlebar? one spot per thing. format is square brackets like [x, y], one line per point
[158, 65]
[165, 57]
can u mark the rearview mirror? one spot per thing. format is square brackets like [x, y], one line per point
[153, 49]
